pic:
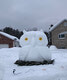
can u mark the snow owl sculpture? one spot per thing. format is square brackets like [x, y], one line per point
[34, 47]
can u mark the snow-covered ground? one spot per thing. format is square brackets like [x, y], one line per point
[56, 71]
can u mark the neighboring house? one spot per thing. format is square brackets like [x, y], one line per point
[58, 34]
[8, 41]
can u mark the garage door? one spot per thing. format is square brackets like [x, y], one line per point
[4, 46]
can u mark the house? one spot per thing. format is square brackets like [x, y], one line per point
[8, 41]
[58, 34]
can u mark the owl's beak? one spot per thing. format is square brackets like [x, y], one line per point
[33, 42]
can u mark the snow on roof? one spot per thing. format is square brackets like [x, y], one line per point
[64, 32]
[9, 36]
[57, 24]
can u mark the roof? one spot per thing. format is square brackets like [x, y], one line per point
[65, 32]
[57, 24]
[9, 36]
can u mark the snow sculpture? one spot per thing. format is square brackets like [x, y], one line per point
[34, 47]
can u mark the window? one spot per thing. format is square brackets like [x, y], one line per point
[65, 23]
[62, 47]
[61, 36]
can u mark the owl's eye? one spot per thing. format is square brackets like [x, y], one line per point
[26, 39]
[40, 38]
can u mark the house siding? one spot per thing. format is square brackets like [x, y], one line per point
[55, 38]
[6, 40]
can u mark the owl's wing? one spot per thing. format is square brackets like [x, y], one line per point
[23, 53]
[45, 53]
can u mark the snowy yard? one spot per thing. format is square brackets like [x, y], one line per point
[56, 71]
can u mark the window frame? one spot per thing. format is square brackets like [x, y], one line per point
[59, 36]
[65, 24]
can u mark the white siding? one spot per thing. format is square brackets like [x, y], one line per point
[4, 46]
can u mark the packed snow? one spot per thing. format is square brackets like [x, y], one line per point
[10, 71]
[1, 71]
[34, 47]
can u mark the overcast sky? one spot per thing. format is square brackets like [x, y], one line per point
[22, 14]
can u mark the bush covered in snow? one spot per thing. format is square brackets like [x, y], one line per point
[52, 47]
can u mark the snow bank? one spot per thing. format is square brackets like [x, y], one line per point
[56, 71]
[2, 71]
